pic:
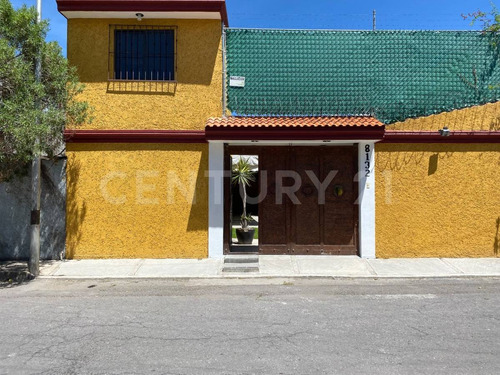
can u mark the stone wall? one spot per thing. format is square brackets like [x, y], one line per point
[15, 197]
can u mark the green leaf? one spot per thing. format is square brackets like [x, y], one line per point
[33, 115]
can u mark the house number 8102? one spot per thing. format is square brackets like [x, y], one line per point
[367, 161]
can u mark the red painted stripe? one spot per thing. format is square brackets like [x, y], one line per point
[277, 134]
[392, 136]
[134, 136]
[218, 6]
[295, 133]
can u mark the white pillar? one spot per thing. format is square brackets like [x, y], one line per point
[216, 200]
[366, 166]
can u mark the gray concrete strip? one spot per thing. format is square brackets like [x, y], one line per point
[411, 267]
[139, 265]
[281, 266]
[180, 268]
[372, 270]
[459, 271]
[98, 268]
[49, 267]
[332, 266]
[276, 265]
[295, 265]
[476, 266]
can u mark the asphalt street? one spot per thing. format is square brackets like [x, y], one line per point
[446, 326]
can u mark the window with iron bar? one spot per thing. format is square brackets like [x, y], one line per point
[142, 53]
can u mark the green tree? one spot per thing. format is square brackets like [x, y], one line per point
[489, 21]
[33, 113]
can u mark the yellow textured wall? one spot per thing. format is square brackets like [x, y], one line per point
[187, 105]
[484, 117]
[437, 200]
[137, 201]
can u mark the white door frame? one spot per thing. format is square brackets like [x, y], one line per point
[216, 200]
[366, 200]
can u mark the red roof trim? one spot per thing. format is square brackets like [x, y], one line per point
[295, 133]
[134, 136]
[393, 136]
[218, 6]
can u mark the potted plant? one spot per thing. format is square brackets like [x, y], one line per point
[243, 176]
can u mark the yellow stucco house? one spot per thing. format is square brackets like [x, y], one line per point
[376, 144]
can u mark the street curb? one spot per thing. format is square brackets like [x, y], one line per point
[267, 277]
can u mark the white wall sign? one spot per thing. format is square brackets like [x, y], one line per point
[236, 81]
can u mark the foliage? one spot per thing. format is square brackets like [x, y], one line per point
[243, 176]
[490, 25]
[489, 21]
[242, 172]
[33, 114]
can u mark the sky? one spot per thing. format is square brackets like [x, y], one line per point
[321, 14]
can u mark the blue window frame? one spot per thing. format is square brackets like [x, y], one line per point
[144, 54]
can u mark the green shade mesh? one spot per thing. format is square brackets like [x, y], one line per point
[393, 75]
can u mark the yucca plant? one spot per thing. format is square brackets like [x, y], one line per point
[242, 176]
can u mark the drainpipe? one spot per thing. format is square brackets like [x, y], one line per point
[224, 72]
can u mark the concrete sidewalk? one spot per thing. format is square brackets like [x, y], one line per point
[272, 266]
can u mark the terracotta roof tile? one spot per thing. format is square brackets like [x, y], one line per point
[297, 122]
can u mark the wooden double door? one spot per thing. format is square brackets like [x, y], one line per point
[294, 217]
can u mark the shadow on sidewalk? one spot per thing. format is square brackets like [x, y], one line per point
[14, 273]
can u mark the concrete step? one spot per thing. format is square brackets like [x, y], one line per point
[241, 259]
[241, 263]
[239, 269]
[235, 244]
